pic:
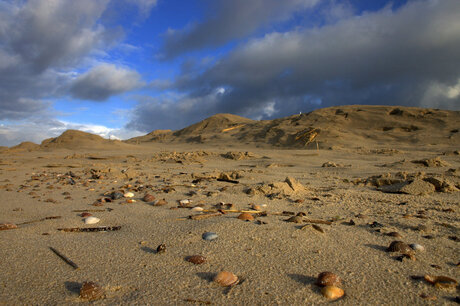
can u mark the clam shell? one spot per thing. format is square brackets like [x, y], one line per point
[91, 291]
[401, 247]
[246, 216]
[128, 195]
[197, 208]
[7, 226]
[91, 220]
[160, 202]
[417, 247]
[226, 279]
[332, 292]
[196, 259]
[328, 279]
[148, 198]
[209, 236]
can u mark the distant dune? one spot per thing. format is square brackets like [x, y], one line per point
[351, 126]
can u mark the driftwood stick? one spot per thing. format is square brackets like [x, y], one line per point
[66, 259]
[90, 229]
[228, 181]
[40, 220]
[204, 216]
[88, 210]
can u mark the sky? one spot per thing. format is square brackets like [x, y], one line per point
[123, 68]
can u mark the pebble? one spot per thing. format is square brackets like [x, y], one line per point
[116, 195]
[401, 247]
[196, 259]
[417, 247]
[209, 236]
[148, 198]
[91, 220]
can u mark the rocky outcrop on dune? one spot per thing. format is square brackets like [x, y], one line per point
[25, 146]
[75, 140]
[154, 136]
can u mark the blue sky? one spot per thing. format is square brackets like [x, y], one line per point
[122, 68]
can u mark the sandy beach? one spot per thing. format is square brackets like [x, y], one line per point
[367, 178]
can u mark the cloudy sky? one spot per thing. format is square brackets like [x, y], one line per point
[122, 68]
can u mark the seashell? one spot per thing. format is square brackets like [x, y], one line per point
[226, 279]
[185, 203]
[197, 208]
[91, 220]
[91, 291]
[161, 248]
[128, 195]
[148, 198]
[441, 282]
[209, 236]
[332, 292]
[256, 207]
[246, 217]
[86, 214]
[196, 259]
[295, 219]
[7, 226]
[417, 247]
[401, 247]
[328, 279]
[160, 202]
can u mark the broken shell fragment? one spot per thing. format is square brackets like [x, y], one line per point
[417, 247]
[441, 282]
[209, 236]
[7, 226]
[148, 198]
[196, 259]
[226, 279]
[160, 202]
[401, 247]
[161, 248]
[332, 292]
[91, 291]
[328, 279]
[128, 195]
[246, 216]
[91, 220]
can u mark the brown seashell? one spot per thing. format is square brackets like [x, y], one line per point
[196, 259]
[91, 291]
[328, 279]
[295, 219]
[246, 217]
[441, 282]
[7, 226]
[332, 292]
[401, 247]
[226, 279]
[86, 214]
[160, 202]
[148, 198]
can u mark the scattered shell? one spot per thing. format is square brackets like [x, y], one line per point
[86, 214]
[7, 226]
[246, 217]
[129, 201]
[185, 203]
[197, 208]
[401, 247]
[196, 259]
[91, 220]
[441, 282]
[160, 202]
[209, 236]
[128, 195]
[148, 198]
[417, 247]
[328, 279]
[91, 291]
[295, 219]
[226, 279]
[161, 248]
[332, 292]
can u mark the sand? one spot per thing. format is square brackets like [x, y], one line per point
[366, 187]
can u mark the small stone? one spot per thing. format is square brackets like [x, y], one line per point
[417, 247]
[148, 198]
[116, 195]
[209, 236]
[196, 259]
[401, 247]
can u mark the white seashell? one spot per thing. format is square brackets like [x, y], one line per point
[197, 208]
[184, 202]
[128, 195]
[417, 247]
[92, 220]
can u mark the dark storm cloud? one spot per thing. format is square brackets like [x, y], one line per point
[104, 81]
[229, 20]
[405, 57]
